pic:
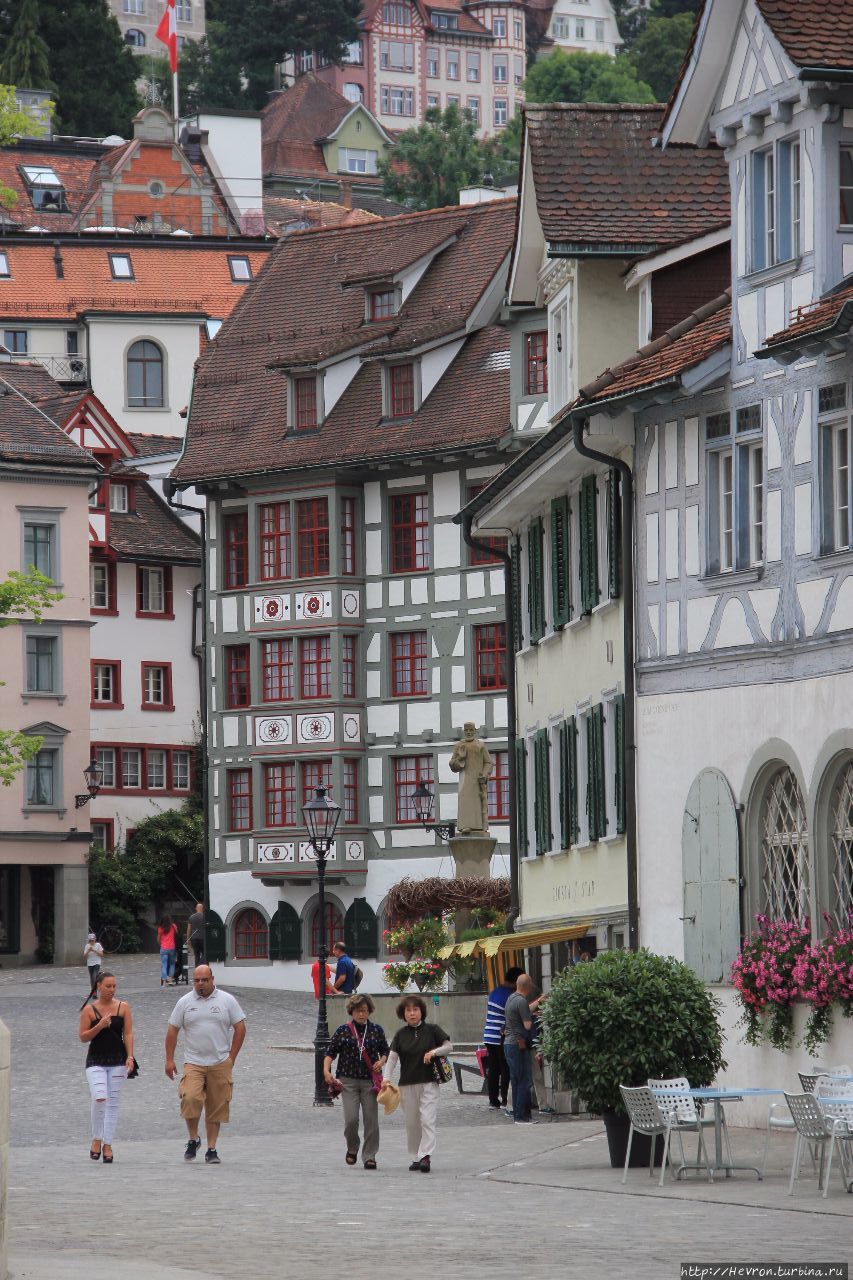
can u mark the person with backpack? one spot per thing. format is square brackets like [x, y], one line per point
[348, 976]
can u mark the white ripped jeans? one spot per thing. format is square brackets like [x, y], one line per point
[105, 1086]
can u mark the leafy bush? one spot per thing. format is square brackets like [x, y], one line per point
[628, 1016]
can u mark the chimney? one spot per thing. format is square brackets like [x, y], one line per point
[346, 192]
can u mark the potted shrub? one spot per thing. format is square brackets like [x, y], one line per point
[623, 1018]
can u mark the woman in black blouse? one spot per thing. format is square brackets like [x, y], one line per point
[107, 1027]
[361, 1050]
[415, 1045]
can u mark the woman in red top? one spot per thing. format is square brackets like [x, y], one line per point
[167, 936]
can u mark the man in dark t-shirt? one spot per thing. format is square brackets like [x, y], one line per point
[195, 933]
[518, 1045]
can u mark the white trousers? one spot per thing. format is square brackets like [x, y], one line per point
[420, 1107]
[105, 1086]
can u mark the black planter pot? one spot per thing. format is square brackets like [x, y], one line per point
[617, 1125]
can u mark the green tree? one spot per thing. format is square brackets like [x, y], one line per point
[21, 595]
[209, 74]
[659, 51]
[431, 163]
[500, 153]
[585, 77]
[25, 57]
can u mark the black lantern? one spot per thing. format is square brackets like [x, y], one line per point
[321, 820]
[321, 817]
[94, 776]
[423, 801]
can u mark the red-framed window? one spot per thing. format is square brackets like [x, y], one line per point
[315, 773]
[181, 770]
[497, 790]
[105, 758]
[157, 769]
[536, 363]
[409, 532]
[235, 541]
[490, 667]
[275, 556]
[133, 770]
[401, 390]
[350, 791]
[408, 772]
[157, 687]
[334, 928]
[144, 767]
[348, 658]
[103, 594]
[383, 303]
[497, 544]
[280, 795]
[276, 670]
[251, 936]
[154, 591]
[305, 403]
[348, 517]
[103, 832]
[239, 800]
[315, 667]
[238, 685]
[409, 664]
[106, 685]
[312, 537]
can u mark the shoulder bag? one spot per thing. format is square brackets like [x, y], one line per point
[376, 1076]
[441, 1068]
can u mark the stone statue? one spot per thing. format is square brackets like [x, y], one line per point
[471, 760]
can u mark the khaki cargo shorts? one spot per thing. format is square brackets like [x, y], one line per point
[207, 1088]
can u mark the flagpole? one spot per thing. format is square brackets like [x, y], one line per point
[175, 104]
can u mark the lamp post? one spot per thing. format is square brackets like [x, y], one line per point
[94, 776]
[321, 817]
[423, 800]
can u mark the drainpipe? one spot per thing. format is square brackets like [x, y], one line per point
[200, 654]
[472, 542]
[578, 425]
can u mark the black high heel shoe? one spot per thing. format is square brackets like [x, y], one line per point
[95, 1155]
[107, 1159]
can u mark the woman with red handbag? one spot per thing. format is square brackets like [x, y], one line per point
[361, 1050]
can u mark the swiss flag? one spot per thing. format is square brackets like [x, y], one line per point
[168, 33]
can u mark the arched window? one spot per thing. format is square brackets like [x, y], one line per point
[841, 845]
[251, 936]
[145, 375]
[134, 37]
[784, 841]
[334, 928]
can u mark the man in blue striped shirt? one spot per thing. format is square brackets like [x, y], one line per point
[497, 1071]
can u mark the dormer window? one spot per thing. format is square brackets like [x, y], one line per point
[445, 21]
[241, 268]
[382, 303]
[401, 390]
[305, 403]
[119, 498]
[44, 188]
[121, 266]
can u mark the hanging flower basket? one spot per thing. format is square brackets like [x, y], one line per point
[396, 975]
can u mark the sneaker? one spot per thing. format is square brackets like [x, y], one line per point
[211, 1157]
[495, 1106]
[415, 1166]
[192, 1148]
[508, 1113]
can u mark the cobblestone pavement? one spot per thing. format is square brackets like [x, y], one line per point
[284, 1204]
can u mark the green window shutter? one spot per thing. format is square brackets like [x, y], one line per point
[542, 788]
[614, 534]
[565, 839]
[595, 795]
[588, 544]
[214, 937]
[535, 582]
[515, 587]
[521, 795]
[285, 934]
[619, 752]
[572, 780]
[560, 562]
[361, 932]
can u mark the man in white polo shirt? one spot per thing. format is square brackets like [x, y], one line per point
[214, 1030]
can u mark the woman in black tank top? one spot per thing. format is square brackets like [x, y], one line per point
[107, 1027]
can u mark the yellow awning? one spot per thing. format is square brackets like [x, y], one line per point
[496, 950]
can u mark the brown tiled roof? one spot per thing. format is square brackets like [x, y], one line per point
[467, 23]
[812, 32]
[280, 211]
[601, 185]
[27, 433]
[147, 445]
[664, 360]
[831, 313]
[301, 310]
[294, 120]
[153, 532]
[177, 277]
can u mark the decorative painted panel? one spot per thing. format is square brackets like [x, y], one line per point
[350, 604]
[272, 608]
[275, 854]
[313, 604]
[273, 731]
[318, 727]
[351, 727]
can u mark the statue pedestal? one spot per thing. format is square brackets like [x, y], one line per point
[473, 857]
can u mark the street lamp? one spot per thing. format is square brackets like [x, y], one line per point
[321, 816]
[423, 800]
[94, 776]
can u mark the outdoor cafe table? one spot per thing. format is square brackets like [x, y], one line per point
[718, 1097]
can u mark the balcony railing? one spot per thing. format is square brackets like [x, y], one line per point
[64, 368]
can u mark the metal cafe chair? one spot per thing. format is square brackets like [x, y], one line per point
[646, 1117]
[815, 1128]
[779, 1117]
[674, 1095]
[839, 1115]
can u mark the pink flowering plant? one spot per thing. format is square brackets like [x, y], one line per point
[763, 976]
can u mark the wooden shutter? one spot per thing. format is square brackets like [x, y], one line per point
[568, 783]
[618, 705]
[214, 937]
[361, 932]
[521, 795]
[535, 582]
[595, 793]
[588, 544]
[515, 590]
[614, 534]
[542, 790]
[285, 934]
[560, 562]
